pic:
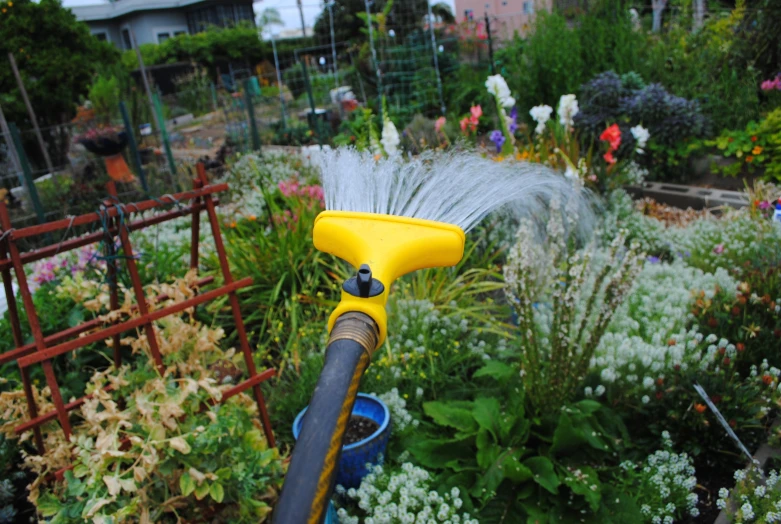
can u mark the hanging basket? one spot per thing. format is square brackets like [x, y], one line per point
[110, 149]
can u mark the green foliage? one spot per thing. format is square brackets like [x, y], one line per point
[56, 56]
[707, 66]
[757, 147]
[558, 56]
[507, 459]
[104, 96]
[204, 48]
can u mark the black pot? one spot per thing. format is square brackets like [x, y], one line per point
[106, 146]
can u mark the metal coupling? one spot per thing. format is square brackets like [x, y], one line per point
[359, 328]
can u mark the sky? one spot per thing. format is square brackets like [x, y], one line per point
[287, 9]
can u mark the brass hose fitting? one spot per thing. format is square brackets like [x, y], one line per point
[358, 327]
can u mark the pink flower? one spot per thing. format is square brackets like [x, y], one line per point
[719, 249]
[440, 123]
[769, 85]
[463, 123]
[476, 111]
[764, 204]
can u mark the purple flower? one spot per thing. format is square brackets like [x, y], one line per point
[764, 204]
[653, 260]
[513, 126]
[497, 138]
[719, 249]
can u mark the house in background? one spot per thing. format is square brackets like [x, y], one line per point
[506, 16]
[154, 21]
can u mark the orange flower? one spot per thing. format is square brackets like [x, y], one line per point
[753, 138]
[253, 218]
[740, 346]
[233, 225]
[767, 379]
[749, 159]
[700, 408]
[757, 150]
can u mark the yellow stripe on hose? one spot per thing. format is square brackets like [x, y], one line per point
[323, 485]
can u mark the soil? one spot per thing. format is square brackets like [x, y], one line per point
[359, 428]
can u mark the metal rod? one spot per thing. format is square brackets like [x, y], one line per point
[133, 323]
[27, 175]
[235, 309]
[313, 120]
[374, 52]
[144, 78]
[253, 124]
[35, 327]
[279, 80]
[333, 41]
[31, 112]
[490, 44]
[131, 139]
[436, 58]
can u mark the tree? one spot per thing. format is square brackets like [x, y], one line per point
[442, 13]
[268, 18]
[56, 55]
[350, 18]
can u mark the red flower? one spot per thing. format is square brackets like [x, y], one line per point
[609, 157]
[732, 423]
[612, 135]
[726, 361]
[659, 395]
[740, 346]
[712, 322]
[700, 408]
[767, 379]
[753, 138]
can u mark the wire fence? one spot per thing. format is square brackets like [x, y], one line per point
[400, 61]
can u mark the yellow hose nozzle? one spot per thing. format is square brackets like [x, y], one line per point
[391, 246]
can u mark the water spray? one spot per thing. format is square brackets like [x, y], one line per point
[389, 218]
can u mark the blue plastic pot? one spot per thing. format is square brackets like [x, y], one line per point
[352, 464]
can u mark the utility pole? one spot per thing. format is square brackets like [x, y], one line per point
[31, 113]
[301, 12]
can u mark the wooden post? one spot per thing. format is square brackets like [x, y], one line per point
[31, 113]
[9, 141]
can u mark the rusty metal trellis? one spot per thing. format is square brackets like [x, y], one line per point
[45, 348]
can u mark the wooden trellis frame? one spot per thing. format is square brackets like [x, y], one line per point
[45, 348]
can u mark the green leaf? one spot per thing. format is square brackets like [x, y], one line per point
[217, 492]
[543, 473]
[186, 484]
[495, 370]
[454, 414]
[584, 481]
[80, 471]
[223, 473]
[514, 470]
[47, 505]
[201, 491]
[486, 414]
[443, 453]
[487, 449]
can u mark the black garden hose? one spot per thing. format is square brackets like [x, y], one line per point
[310, 476]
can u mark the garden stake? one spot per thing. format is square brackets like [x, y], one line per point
[386, 219]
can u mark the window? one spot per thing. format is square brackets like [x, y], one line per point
[528, 8]
[162, 37]
[469, 14]
[177, 33]
[102, 36]
[126, 39]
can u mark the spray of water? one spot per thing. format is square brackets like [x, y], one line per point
[456, 187]
[723, 421]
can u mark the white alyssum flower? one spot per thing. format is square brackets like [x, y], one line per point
[641, 135]
[541, 114]
[404, 496]
[497, 86]
[397, 406]
[568, 108]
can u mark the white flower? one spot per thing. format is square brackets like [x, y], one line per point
[497, 86]
[646, 399]
[641, 135]
[390, 137]
[541, 114]
[568, 108]
[600, 390]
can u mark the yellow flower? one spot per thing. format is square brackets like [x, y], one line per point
[757, 150]
[422, 375]
[406, 395]
[10, 4]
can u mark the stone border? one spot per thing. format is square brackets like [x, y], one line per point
[688, 196]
